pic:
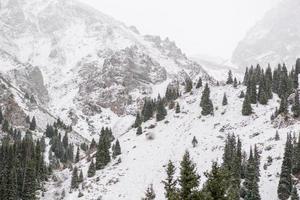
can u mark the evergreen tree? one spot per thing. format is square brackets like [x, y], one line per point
[277, 136]
[242, 95]
[139, 131]
[80, 178]
[283, 109]
[199, 83]
[74, 180]
[102, 155]
[92, 169]
[247, 109]
[285, 182]
[77, 158]
[206, 103]
[138, 121]
[150, 194]
[93, 144]
[161, 111]
[194, 142]
[1, 116]
[217, 184]
[5, 126]
[262, 96]
[235, 83]
[170, 182]
[229, 78]
[296, 106]
[189, 179]
[188, 85]
[294, 195]
[148, 110]
[117, 149]
[32, 125]
[224, 101]
[177, 108]
[297, 72]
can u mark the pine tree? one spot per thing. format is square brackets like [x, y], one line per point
[277, 136]
[77, 158]
[229, 78]
[117, 149]
[74, 180]
[194, 142]
[235, 83]
[199, 83]
[188, 85]
[170, 182]
[139, 131]
[102, 155]
[138, 121]
[247, 109]
[283, 109]
[5, 126]
[297, 72]
[80, 178]
[285, 182]
[150, 194]
[161, 111]
[294, 195]
[1, 116]
[32, 125]
[189, 179]
[177, 108]
[242, 95]
[217, 184]
[92, 169]
[296, 106]
[206, 103]
[262, 96]
[224, 101]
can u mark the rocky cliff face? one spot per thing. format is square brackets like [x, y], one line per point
[274, 39]
[79, 63]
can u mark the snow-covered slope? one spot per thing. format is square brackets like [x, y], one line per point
[89, 69]
[272, 40]
[143, 161]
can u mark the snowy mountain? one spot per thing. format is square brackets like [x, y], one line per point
[79, 63]
[272, 40]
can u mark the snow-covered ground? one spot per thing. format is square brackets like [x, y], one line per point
[144, 161]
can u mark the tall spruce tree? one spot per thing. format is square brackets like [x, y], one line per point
[74, 180]
[229, 78]
[296, 105]
[247, 109]
[161, 111]
[102, 154]
[150, 194]
[206, 104]
[92, 169]
[116, 149]
[170, 182]
[294, 195]
[199, 83]
[32, 125]
[189, 179]
[224, 101]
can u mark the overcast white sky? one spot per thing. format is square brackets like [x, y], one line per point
[207, 27]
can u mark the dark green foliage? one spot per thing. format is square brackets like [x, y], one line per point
[1, 116]
[297, 72]
[199, 83]
[170, 182]
[148, 110]
[189, 179]
[242, 95]
[138, 121]
[32, 125]
[93, 144]
[206, 104]
[285, 182]
[150, 194]
[262, 96]
[277, 136]
[75, 178]
[294, 195]
[224, 101]
[161, 111]
[5, 126]
[217, 183]
[77, 157]
[116, 149]
[188, 85]
[194, 142]
[92, 169]
[235, 83]
[229, 78]
[172, 93]
[296, 105]
[102, 155]
[247, 109]
[283, 109]
[177, 110]
[80, 177]
[139, 131]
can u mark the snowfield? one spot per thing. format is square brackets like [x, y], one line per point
[143, 161]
